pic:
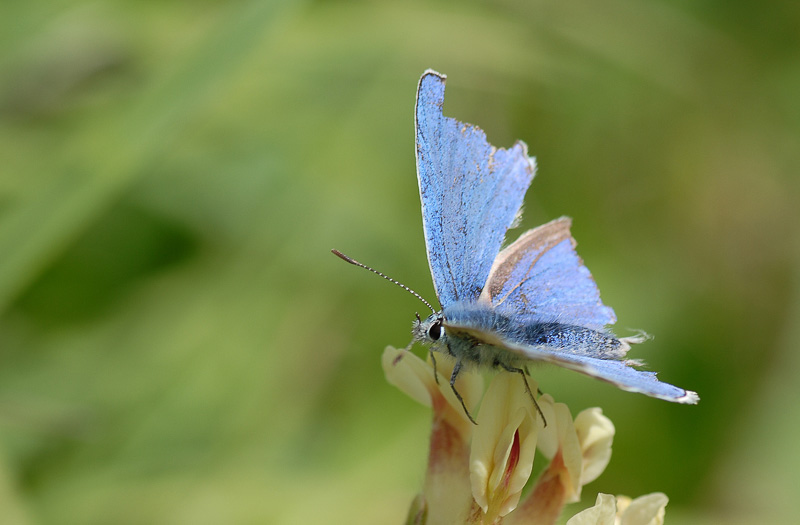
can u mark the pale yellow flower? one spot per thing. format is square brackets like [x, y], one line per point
[595, 434]
[503, 446]
[604, 512]
[578, 453]
[559, 443]
[416, 378]
[584, 446]
[644, 510]
[476, 473]
[446, 497]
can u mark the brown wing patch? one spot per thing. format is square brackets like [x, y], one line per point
[539, 239]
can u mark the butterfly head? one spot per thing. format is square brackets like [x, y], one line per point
[429, 330]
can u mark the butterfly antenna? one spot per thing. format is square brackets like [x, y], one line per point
[352, 261]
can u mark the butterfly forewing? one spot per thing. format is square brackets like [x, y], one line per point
[471, 193]
[541, 275]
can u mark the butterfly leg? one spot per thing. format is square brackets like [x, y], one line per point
[456, 370]
[523, 373]
[528, 373]
[433, 360]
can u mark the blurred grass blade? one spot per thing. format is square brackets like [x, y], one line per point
[33, 233]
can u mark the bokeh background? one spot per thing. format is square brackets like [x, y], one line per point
[177, 344]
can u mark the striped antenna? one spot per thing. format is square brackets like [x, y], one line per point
[352, 261]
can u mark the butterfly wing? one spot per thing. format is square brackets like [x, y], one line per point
[471, 193]
[619, 372]
[541, 275]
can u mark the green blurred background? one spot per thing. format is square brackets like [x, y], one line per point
[177, 344]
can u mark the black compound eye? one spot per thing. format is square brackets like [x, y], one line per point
[435, 331]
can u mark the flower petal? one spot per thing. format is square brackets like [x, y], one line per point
[446, 494]
[595, 434]
[559, 438]
[416, 378]
[409, 373]
[503, 446]
[644, 510]
[603, 513]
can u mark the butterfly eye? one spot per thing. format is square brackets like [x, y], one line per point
[435, 331]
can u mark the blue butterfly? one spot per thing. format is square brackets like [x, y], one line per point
[532, 301]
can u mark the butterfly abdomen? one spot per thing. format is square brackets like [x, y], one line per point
[573, 339]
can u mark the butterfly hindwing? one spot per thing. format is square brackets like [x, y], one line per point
[619, 373]
[540, 274]
[471, 193]
[512, 351]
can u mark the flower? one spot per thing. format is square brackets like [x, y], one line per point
[446, 497]
[595, 434]
[560, 482]
[604, 512]
[418, 379]
[476, 474]
[503, 447]
[644, 510]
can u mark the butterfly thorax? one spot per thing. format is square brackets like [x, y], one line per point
[478, 334]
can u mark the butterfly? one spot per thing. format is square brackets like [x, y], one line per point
[506, 308]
